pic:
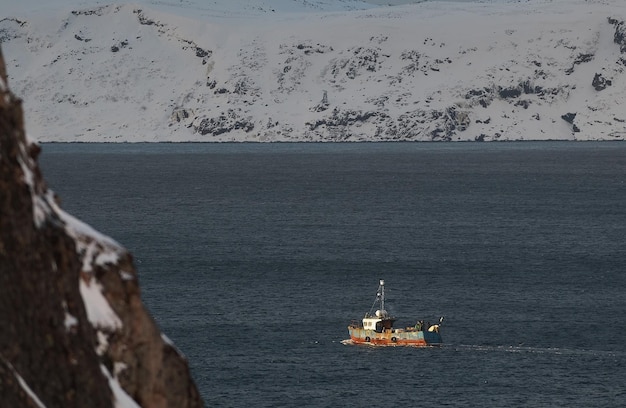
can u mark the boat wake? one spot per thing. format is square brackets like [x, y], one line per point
[533, 350]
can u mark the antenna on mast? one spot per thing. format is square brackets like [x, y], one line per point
[382, 295]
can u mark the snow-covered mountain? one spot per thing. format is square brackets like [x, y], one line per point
[319, 70]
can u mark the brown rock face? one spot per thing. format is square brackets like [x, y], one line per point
[72, 324]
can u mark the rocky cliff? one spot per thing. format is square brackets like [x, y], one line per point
[73, 329]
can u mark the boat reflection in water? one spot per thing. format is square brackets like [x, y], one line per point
[377, 328]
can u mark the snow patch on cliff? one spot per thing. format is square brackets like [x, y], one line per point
[120, 398]
[99, 311]
[31, 394]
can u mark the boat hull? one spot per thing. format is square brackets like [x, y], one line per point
[394, 337]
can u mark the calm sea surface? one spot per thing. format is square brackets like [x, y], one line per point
[254, 258]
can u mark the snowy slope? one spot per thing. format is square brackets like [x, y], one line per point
[305, 70]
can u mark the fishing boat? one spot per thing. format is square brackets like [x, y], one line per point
[377, 328]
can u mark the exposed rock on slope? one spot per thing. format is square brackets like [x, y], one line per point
[74, 332]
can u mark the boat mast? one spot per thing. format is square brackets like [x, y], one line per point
[381, 293]
[380, 298]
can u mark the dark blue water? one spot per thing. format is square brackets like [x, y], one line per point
[255, 258]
